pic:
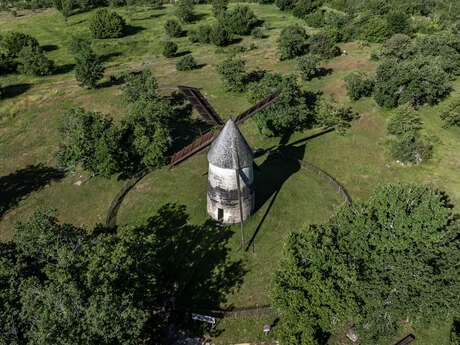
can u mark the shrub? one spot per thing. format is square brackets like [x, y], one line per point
[398, 22]
[451, 117]
[331, 115]
[306, 65]
[169, 49]
[404, 120]
[315, 19]
[13, 42]
[193, 36]
[398, 46]
[219, 35]
[204, 32]
[219, 7]
[187, 63]
[233, 74]
[89, 69]
[323, 44]
[106, 24]
[33, 61]
[184, 10]
[292, 42]
[375, 30]
[358, 85]
[173, 28]
[284, 4]
[240, 20]
[140, 86]
[257, 33]
[303, 8]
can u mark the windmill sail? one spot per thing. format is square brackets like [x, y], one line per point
[191, 149]
[256, 108]
[200, 103]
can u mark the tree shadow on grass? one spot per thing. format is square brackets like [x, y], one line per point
[11, 91]
[131, 30]
[63, 69]
[15, 186]
[151, 16]
[108, 57]
[183, 53]
[113, 81]
[49, 47]
[322, 72]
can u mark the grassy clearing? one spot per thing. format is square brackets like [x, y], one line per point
[294, 197]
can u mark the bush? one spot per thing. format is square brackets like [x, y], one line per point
[204, 32]
[398, 46]
[404, 121]
[332, 115]
[292, 42]
[323, 44]
[187, 63]
[416, 81]
[219, 35]
[257, 33]
[315, 19]
[398, 22]
[375, 30]
[184, 10]
[233, 74]
[303, 8]
[451, 117]
[169, 49]
[13, 42]
[240, 20]
[140, 86]
[89, 69]
[358, 85]
[219, 7]
[173, 28]
[284, 4]
[107, 24]
[33, 61]
[306, 65]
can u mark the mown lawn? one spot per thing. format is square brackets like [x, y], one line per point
[288, 197]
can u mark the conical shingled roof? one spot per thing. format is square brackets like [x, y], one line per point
[222, 152]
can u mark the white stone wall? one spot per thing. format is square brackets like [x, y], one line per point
[224, 180]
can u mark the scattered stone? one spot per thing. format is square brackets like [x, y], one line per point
[351, 335]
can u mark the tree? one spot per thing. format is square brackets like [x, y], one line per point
[169, 49]
[173, 28]
[187, 63]
[306, 65]
[451, 117]
[399, 46]
[219, 7]
[89, 68]
[184, 10]
[388, 259]
[398, 22]
[141, 86]
[219, 35]
[13, 42]
[323, 44]
[292, 42]
[33, 61]
[91, 139]
[331, 115]
[232, 71]
[239, 20]
[293, 110]
[375, 30]
[107, 24]
[65, 7]
[358, 85]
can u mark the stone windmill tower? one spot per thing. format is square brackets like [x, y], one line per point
[230, 194]
[230, 177]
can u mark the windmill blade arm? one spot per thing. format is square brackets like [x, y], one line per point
[195, 147]
[200, 103]
[258, 107]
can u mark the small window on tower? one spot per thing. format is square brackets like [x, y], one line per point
[220, 214]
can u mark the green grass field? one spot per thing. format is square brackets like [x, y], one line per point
[288, 197]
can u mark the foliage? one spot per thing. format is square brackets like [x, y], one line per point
[398, 22]
[455, 332]
[390, 258]
[187, 63]
[91, 139]
[417, 81]
[173, 28]
[404, 121]
[323, 44]
[331, 115]
[219, 35]
[315, 19]
[240, 20]
[375, 30]
[184, 10]
[451, 117]
[169, 49]
[13, 42]
[307, 66]
[204, 32]
[303, 8]
[292, 42]
[399, 46]
[233, 74]
[89, 68]
[141, 86]
[63, 286]
[285, 4]
[358, 85]
[257, 33]
[219, 7]
[293, 110]
[65, 7]
[33, 61]
[107, 24]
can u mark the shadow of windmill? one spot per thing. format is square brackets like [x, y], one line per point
[280, 164]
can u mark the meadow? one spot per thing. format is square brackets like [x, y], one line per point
[288, 196]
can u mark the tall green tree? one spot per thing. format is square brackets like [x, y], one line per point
[393, 257]
[89, 68]
[184, 10]
[292, 42]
